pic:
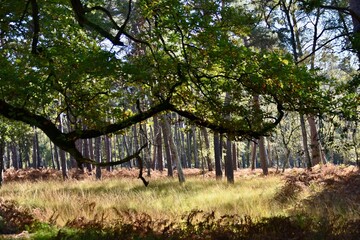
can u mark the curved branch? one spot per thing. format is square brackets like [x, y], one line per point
[80, 10]
[111, 128]
[36, 25]
[230, 129]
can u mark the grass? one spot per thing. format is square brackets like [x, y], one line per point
[299, 205]
[163, 198]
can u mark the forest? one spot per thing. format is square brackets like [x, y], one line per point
[162, 89]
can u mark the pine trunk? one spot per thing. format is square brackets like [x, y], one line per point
[305, 143]
[167, 147]
[217, 150]
[314, 144]
[97, 155]
[262, 153]
[207, 149]
[195, 147]
[229, 170]
[173, 150]
[2, 148]
[253, 155]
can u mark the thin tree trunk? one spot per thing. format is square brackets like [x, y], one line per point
[234, 156]
[189, 148]
[247, 156]
[98, 157]
[107, 144]
[304, 141]
[52, 155]
[218, 168]
[63, 164]
[167, 147]
[158, 161]
[174, 153]
[287, 158]
[35, 150]
[262, 153]
[14, 156]
[7, 164]
[314, 144]
[229, 171]
[356, 148]
[207, 148]
[195, 147]
[2, 150]
[56, 157]
[62, 153]
[253, 155]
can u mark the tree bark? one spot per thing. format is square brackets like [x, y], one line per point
[158, 154]
[2, 148]
[195, 147]
[107, 143]
[314, 144]
[229, 171]
[253, 155]
[167, 147]
[97, 155]
[262, 153]
[218, 170]
[207, 148]
[14, 156]
[305, 142]
[234, 156]
[174, 153]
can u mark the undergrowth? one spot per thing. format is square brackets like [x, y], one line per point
[195, 225]
[201, 225]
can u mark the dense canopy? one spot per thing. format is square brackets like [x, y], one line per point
[107, 65]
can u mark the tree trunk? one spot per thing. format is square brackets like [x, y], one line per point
[35, 157]
[167, 147]
[207, 148]
[63, 164]
[2, 148]
[195, 147]
[305, 143]
[234, 156]
[86, 152]
[107, 144]
[218, 170]
[62, 153]
[174, 153]
[253, 155]
[97, 155]
[262, 153]
[14, 156]
[315, 144]
[287, 158]
[247, 156]
[56, 157]
[158, 154]
[52, 155]
[229, 171]
[184, 158]
[188, 149]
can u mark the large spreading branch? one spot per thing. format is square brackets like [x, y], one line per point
[66, 141]
[230, 129]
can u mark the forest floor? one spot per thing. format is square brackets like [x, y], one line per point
[323, 203]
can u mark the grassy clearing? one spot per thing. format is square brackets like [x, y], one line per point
[163, 198]
[321, 204]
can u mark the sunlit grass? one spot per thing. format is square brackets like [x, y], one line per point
[163, 198]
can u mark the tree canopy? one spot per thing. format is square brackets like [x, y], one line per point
[107, 65]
